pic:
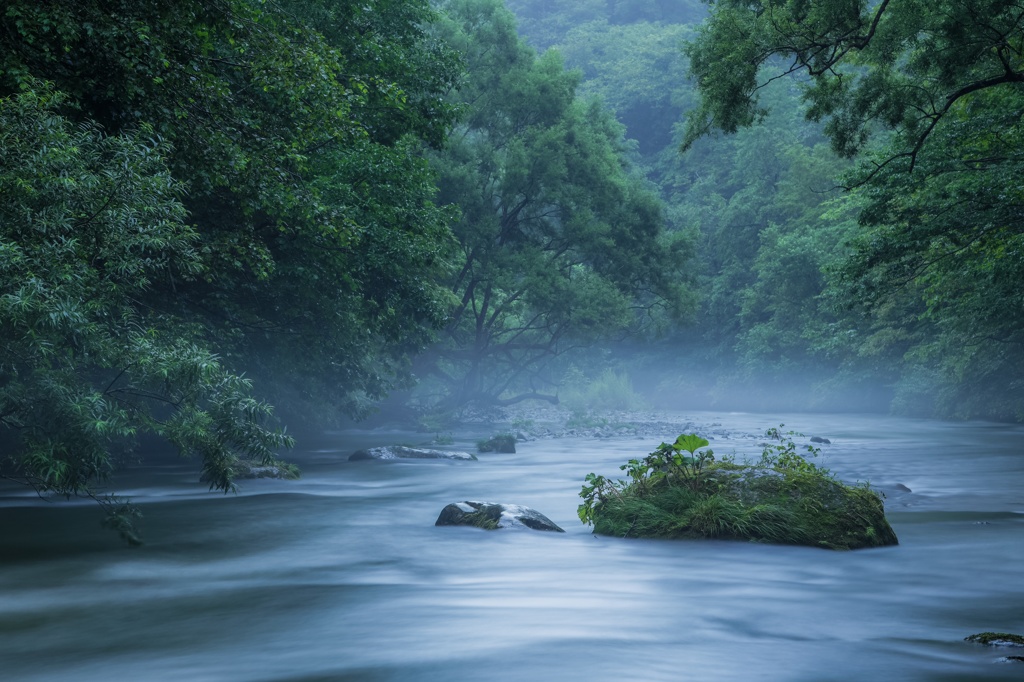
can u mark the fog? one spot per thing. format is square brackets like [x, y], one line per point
[621, 237]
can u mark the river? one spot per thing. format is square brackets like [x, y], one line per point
[342, 576]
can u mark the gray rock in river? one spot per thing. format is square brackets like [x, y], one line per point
[491, 516]
[388, 452]
[819, 439]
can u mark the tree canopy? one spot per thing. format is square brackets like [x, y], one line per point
[929, 96]
[192, 191]
[561, 242]
[298, 148]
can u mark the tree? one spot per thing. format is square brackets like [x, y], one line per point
[753, 194]
[560, 243]
[897, 66]
[951, 232]
[197, 194]
[545, 22]
[943, 81]
[300, 149]
[637, 70]
[88, 224]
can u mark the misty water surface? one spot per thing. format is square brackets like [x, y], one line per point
[343, 576]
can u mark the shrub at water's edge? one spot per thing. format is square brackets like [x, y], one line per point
[680, 491]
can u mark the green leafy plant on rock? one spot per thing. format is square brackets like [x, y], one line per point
[781, 452]
[680, 491]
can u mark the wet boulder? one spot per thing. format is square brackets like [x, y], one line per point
[491, 516]
[392, 452]
[819, 439]
[501, 443]
[1000, 640]
[996, 639]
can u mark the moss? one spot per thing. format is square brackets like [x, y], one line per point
[749, 503]
[996, 639]
[501, 443]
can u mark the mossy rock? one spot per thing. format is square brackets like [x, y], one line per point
[492, 516]
[502, 443]
[996, 639]
[750, 503]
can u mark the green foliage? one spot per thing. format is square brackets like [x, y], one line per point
[902, 66]
[610, 391]
[666, 462]
[929, 96]
[996, 639]
[561, 243]
[585, 419]
[938, 260]
[435, 421]
[637, 70]
[296, 129]
[546, 22]
[690, 443]
[501, 442]
[89, 225]
[595, 491]
[781, 499]
[780, 453]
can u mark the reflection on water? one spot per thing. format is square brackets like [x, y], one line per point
[342, 575]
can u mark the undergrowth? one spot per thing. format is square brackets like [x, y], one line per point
[681, 491]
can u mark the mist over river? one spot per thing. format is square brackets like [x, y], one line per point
[342, 574]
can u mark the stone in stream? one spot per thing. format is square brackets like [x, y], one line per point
[792, 506]
[391, 452]
[501, 443]
[819, 439]
[491, 516]
[999, 639]
[996, 639]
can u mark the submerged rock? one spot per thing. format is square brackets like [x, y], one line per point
[388, 452]
[491, 516]
[819, 439]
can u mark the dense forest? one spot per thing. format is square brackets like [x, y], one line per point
[221, 217]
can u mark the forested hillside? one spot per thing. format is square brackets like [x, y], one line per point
[859, 232]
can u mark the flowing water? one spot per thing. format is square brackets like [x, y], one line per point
[343, 576]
